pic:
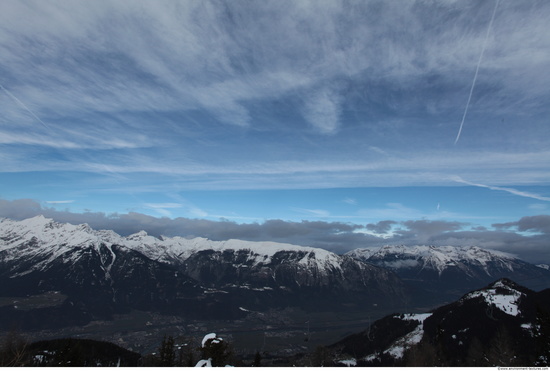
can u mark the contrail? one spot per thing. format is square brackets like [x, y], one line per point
[477, 70]
[493, 188]
[23, 105]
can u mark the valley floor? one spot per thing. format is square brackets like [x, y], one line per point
[274, 333]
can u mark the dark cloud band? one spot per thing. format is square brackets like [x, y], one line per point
[334, 236]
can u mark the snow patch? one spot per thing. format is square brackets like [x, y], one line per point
[398, 348]
[507, 303]
[370, 357]
[204, 363]
[421, 317]
[212, 336]
[528, 327]
[349, 362]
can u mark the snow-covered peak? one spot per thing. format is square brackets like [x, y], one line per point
[171, 249]
[504, 295]
[434, 257]
[141, 238]
[137, 236]
[43, 241]
[54, 239]
[48, 232]
[36, 224]
[362, 253]
[442, 252]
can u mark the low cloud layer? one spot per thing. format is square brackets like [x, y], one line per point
[533, 246]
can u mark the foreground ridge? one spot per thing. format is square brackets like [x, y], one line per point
[501, 324]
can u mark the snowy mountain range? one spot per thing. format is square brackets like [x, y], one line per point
[451, 270]
[102, 273]
[46, 241]
[96, 273]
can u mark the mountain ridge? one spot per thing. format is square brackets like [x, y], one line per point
[106, 272]
[165, 249]
[498, 325]
[452, 270]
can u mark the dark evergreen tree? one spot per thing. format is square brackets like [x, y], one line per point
[82, 352]
[476, 356]
[187, 352]
[322, 357]
[257, 360]
[70, 354]
[542, 337]
[167, 354]
[423, 354]
[501, 351]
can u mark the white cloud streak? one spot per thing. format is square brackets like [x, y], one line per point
[183, 47]
[24, 106]
[322, 110]
[119, 77]
[504, 189]
[167, 205]
[316, 213]
[350, 201]
[477, 70]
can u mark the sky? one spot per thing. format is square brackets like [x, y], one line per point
[333, 124]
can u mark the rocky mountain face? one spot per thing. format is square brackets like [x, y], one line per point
[503, 324]
[98, 273]
[449, 271]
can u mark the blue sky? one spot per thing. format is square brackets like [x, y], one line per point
[244, 112]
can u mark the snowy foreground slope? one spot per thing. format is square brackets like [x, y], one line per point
[102, 272]
[476, 330]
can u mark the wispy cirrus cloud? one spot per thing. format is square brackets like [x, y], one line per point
[350, 201]
[163, 208]
[504, 189]
[194, 56]
[322, 110]
[316, 213]
[275, 94]
[166, 205]
[184, 165]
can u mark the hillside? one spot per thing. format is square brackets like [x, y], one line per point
[503, 324]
